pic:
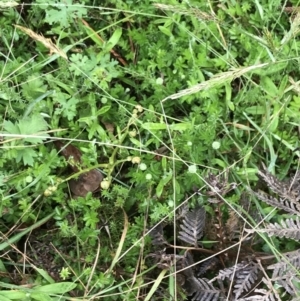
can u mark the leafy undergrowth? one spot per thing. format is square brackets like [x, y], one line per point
[136, 118]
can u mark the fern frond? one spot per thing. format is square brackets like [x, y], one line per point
[290, 281]
[230, 272]
[289, 228]
[291, 262]
[286, 273]
[283, 204]
[265, 296]
[182, 211]
[157, 236]
[284, 190]
[192, 226]
[201, 290]
[209, 264]
[294, 182]
[186, 264]
[245, 278]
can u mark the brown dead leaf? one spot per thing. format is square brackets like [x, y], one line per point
[232, 224]
[86, 182]
[108, 126]
[71, 153]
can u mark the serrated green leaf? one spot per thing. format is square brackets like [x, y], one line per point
[136, 142]
[94, 127]
[247, 171]
[56, 288]
[26, 154]
[34, 87]
[67, 105]
[273, 124]
[219, 162]
[268, 86]
[283, 84]
[162, 183]
[12, 295]
[228, 90]
[29, 127]
[40, 296]
[177, 187]
[2, 298]
[242, 127]
[151, 126]
[32, 126]
[260, 9]
[45, 274]
[256, 110]
[103, 110]
[286, 143]
[271, 69]
[114, 39]
[183, 126]
[64, 12]
[102, 133]
[11, 128]
[165, 30]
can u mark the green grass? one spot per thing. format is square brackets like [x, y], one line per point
[161, 98]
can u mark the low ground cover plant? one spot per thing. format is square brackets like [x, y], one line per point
[149, 151]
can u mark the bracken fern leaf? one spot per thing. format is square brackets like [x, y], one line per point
[285, 272]
[192, 226]
[201, 290]
[265, 296]
[291, 259]
[245, 278]
[284, 190]
[284, 204]
[230, 272]
[157, 236]
[289, 228]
